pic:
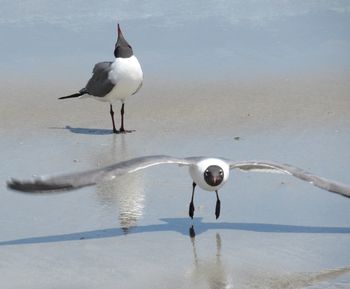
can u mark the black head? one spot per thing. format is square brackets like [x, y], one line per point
[122, 48]
[214, 175]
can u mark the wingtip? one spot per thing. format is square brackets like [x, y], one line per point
[9, 183]
[36, 186]
[13, 184]
[18, 186]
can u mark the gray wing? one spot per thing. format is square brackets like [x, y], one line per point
[77, 180]
[267, 166]
[99, 84]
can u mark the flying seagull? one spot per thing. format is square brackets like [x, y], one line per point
[210, 174]
[112, 81]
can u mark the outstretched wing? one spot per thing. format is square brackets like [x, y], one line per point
[272, 167]
[77, 180]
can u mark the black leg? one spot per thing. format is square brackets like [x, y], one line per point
[122, 119]
[218, 205]
[122, 130]
[191, 209]
[112, 116]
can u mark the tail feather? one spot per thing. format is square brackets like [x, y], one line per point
[80, 93]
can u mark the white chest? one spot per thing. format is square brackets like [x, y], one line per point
[126, 74]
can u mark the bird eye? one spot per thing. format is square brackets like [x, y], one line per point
[221, 173]
[206, 172]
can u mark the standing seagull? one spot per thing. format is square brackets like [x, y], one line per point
[210, 174]
[112, 81]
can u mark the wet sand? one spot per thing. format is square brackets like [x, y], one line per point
[274, 231]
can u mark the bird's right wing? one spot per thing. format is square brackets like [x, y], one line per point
[77, 180]
[272, 167]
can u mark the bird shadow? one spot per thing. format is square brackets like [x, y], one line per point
[88, 131]
[179, 225]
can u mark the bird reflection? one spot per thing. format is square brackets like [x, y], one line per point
[209, 273]
[123, 195]
[212, 273]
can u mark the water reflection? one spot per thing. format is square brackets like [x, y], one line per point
[213, 273]
[123, 195]
[209, 272]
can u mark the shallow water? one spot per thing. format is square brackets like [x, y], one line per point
[273, 232]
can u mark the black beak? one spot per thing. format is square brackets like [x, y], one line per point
[216, 180]
[119, 31]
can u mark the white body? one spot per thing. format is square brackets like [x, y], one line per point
[127, 76]
[197, 173]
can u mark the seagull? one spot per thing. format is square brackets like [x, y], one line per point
[112, 81]
[210, 174]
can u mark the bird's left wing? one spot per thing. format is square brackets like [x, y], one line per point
[272, 167]
[67, 182]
